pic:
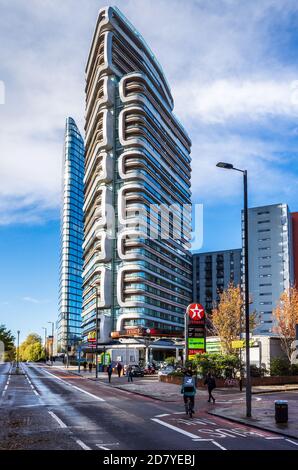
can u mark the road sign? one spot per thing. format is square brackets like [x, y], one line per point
[238, 344]
[195, 330]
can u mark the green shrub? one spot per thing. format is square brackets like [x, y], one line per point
[177, 373]
[280, 366]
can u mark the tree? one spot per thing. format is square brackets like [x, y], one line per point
[226, 318]
[286, 318]
[8, 339]
[31, 349]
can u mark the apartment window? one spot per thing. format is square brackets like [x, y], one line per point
[265, 266]
[263, 239]
[265, 293]
[264, 222]
[265, 303]
[263, 212]
[264, 230]
[265, 285]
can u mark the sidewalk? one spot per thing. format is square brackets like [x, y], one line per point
[263, 416]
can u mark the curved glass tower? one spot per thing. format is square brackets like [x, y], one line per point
[137, 265]
[71, 257]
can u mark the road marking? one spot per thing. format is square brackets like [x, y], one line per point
[174, 428]
[74, 386]
[78, 441]
[292, 442]
[161, 416]
[218, 445]
[59, 421]
[32, 386]
[102, 447]
[274, 438]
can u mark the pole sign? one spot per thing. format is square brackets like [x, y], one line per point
[195, 330]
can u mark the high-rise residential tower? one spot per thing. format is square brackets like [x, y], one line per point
[212, 273]
[72, 227]
[137, 166]
[270, 260]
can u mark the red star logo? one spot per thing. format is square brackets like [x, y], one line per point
[196, 312]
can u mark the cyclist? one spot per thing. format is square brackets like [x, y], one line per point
[188, 389]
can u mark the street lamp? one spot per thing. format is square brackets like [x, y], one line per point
[18, 351]
[52, 347]
[230, 166]
[45, 342]
[95, 286]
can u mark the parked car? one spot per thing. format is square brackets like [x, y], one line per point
[137, 371]
[166, 370]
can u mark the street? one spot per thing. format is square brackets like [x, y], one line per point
[51, 409]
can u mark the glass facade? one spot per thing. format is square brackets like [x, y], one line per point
[71, 256]
[137, 162]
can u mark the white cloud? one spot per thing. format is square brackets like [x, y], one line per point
[223, 70]
[33, 300]
[225, 100]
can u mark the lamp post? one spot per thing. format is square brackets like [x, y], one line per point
[45, 342]
[94, 286]
[52, 346]
[229, 166]
[18, 350]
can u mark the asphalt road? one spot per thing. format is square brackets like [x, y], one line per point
[46, 408]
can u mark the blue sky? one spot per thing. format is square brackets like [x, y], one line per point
[232, 67]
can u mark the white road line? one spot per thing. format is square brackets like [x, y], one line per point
[32, 386]
[174, 428]
[202, 440]
[161, 416]
[292, 442]
[3, 393]
[102, 447]
[59, 421]
[271, 438]
[84, 446]
[108, 444]
[74, 386]
[5, 388]
[218, 445]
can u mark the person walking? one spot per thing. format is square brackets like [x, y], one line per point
[129, 374]
[110, 371]
[211, 385]
[90, 366]
[119, 368]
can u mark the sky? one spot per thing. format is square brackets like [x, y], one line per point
[232, 68]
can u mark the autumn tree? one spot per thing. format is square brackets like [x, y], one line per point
[286, 318]
[31, 349]
[227, 319]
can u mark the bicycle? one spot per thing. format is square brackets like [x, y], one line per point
[189, 407]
